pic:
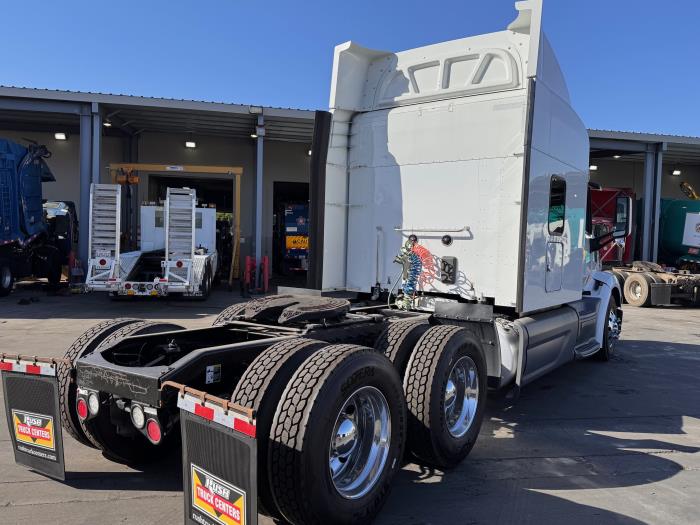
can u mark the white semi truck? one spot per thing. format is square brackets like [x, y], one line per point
[457, 256]
[178, 246]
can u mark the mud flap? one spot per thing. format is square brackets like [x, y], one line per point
[219, 459]
[661, 293]
[33, 415]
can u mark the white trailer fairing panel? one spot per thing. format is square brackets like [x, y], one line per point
[435, 141]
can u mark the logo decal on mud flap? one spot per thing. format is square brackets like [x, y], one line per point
[33, 429]
[216, 498]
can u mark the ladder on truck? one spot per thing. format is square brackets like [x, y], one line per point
[104, 232]
[180, 225]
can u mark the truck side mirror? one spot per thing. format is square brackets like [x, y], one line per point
[623, 217]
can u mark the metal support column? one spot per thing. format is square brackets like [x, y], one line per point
[96, 142]
[85, 180]
[658, 177]
[135, 197]
[260, 132]
[648, 204]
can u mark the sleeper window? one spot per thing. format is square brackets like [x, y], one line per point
[557, 205]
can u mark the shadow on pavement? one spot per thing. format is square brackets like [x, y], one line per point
[590, 426]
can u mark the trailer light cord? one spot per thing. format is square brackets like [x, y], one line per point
[412, 268]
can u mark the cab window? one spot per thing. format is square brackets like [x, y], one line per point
[557, 205]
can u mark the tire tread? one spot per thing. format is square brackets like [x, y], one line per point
[87, 342]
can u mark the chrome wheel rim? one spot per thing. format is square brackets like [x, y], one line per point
[637, 290]
[614, 329]
[461, 397]
[5, 277]
[359, 445]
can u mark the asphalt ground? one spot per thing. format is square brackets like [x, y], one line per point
[592, 442]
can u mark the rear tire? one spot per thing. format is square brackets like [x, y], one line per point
[445, 386]
[637, 289]
[7, 278]
[313, 430]
[206, 283]
[620, 276]
[100, 430]
[261, 388]
[229, 313]
[398, 340]
[53, 269]
[67, 389]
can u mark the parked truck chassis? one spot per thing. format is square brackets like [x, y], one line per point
[649, 284]
[296, 387]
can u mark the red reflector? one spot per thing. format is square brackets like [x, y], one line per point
[103, 262]
[82, 408]
[243, 426]
[153, 431]
[127, 286]
[178, 264]
[203, 411]
[33, 369]
[163, 280]
[6, 366]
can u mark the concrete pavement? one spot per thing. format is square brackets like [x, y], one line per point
[593, 442]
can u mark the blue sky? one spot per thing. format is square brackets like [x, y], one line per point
[630, 64]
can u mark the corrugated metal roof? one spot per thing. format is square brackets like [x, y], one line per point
[135, 114]
[642, 136]
[89, 95]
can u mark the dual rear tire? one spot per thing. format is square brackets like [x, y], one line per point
[100, 431]
[334, 420]
[637, 289]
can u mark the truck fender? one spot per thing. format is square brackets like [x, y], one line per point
[606, 286]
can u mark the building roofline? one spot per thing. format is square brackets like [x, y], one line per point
[152, 102]
[643, 137]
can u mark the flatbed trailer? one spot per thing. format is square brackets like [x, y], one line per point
[178, 246]
[464, 164]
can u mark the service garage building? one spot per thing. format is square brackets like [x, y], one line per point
[86, 132]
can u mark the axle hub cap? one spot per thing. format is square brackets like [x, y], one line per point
[461, 397]
[359, 444]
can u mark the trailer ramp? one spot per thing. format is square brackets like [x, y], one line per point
[104, 232]
[179, 236]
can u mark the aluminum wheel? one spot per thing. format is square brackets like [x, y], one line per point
[5, 276]
[360, 442]
[636, 290]
[461, 397]
[614, 328]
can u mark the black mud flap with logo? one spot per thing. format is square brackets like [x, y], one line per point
[33, 417]
[219, 464]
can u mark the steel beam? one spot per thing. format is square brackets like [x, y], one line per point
[44, 106]
[619, 145]
[648, 205]
[658, 177]
[85, 180]
[259, 170]
[96, 142]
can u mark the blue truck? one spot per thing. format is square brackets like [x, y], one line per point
[36, 237]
